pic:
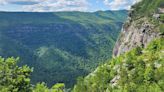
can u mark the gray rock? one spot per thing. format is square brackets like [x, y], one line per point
[136, 34]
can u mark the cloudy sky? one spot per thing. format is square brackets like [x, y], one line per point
[64, 5]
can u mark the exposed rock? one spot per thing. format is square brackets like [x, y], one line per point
[161, 10]
[156, 16]
[114, 81]
[138, 33]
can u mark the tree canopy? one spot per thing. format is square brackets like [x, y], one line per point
[17, 79]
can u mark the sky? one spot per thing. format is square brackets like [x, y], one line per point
[64, 5]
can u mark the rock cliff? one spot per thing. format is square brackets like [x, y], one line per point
[135, 35]
[140, 28]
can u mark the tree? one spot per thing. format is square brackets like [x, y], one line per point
[59, 87]
[41, 87]
[14, 78]
[17, 79]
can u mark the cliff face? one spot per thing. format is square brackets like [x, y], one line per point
[143, 25]
[135, 34]
[142, 40]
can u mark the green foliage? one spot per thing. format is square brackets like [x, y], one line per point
[61, 45]
[148, 10]
[162, 17]
[161, 28]
[41, 87]
[145, 8]
[14, 78]
[17, 79]
[140, 70]
[59, 87]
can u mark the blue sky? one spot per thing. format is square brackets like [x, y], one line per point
[64, 5]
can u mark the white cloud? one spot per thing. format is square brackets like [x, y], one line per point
[67, 5]
[2, 2]
[20, 2]
[58, 5]
[119, 4]
[49, 5]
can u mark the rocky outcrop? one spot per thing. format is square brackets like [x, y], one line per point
[161, 10]
[135, 33]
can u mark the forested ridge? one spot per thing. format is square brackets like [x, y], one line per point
[140, 70]
[139, 67]
[60, 45]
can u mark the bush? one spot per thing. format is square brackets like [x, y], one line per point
[17, 79]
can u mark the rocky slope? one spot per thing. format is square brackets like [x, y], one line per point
[134, 35]
[140, 29]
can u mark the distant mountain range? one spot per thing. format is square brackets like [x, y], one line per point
[60, 46]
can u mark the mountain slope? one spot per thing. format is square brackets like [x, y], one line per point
[141, 28]
[60, 46]
[137, 65]
[140, 70]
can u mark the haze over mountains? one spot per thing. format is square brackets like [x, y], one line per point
[60, 46]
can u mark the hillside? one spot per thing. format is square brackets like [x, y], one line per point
[140, 70]
[145, 23]
[60, 46]
[138, 57]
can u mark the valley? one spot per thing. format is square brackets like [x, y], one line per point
[60, 46]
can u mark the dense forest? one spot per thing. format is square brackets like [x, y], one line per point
[17, 79]
[142, 68]
[61, 45]
[57, 48]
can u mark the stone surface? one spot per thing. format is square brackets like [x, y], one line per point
[138, 33]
